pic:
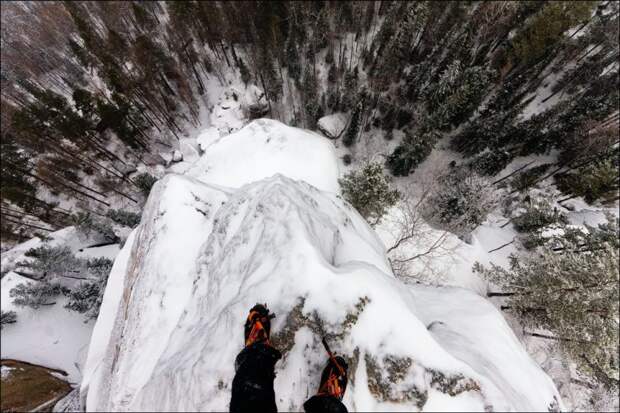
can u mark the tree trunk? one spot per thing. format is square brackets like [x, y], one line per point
[502, 246]
[29, 225]
[499, 294]
[50, 185]
[234, 53]
[512, 173]
[224, 51]
[567, 198]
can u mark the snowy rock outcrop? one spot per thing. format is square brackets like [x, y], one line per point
[332, 125]
[171, 322]
[263, 148]
[177, 156]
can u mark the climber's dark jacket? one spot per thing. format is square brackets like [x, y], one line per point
[252, 387]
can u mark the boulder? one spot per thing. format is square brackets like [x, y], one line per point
[332, 125]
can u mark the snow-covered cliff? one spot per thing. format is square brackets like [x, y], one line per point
[259, 219]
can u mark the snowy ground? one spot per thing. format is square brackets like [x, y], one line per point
[51, 336]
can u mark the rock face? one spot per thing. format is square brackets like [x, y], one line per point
[171, 322]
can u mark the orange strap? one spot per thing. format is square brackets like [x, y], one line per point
[256, 330]
[331, 387]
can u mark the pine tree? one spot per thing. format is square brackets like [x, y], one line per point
[292, 56]
[350, 135]
[369, 192]
[89, 226]
[538, 214]
[572, 292]
[457, 93]
[88, 296]
[459, 203]
[125, 218]
[53, 262]
[7, 317]
[349, 92]
[310, 90]
[245, 73]
[145, 182]
[16, 187]
[35, 294]
[492, 162]
[414, 148]
[547, 27]
[595, 181]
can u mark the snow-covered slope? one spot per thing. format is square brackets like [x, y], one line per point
[52, 336]
[171, 322]
[263, 148]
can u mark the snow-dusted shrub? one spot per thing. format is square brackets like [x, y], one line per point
[49, 262]
[569, 287]
[36, 294]
[491, 163]
[145, 182]
[87, 225]
[7, 317]
[99, 267]
[538, 214]
[125, 218]
[369, 191]
[460, 201]
[87, 297]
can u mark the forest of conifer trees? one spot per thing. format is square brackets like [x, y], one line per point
[89, 89]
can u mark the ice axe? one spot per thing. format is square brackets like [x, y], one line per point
[332, 357]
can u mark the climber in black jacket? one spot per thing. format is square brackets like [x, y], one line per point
[252, 387]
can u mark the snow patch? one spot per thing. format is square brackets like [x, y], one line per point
[51, 336]
[332, 125]
[266, 147]
[5, 372]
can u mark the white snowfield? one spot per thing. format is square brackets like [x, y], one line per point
[266, 147]
[51, 336]
[171, 323]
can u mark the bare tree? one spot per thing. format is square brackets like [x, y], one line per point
[417, 248]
